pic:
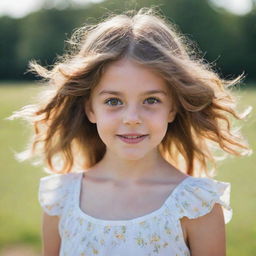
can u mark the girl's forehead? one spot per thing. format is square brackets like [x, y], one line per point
[129, 75]
[126, 67]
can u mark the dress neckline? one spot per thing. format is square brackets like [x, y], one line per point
[126, 221]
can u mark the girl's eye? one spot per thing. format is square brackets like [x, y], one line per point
[112, 100]
[153, 100]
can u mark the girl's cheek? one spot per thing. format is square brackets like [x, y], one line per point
[111, 114]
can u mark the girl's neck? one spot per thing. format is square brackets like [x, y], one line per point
[123, 171]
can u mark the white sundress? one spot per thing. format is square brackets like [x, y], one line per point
[157, 233]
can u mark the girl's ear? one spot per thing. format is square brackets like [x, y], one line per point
[89, 111]
[171, 115]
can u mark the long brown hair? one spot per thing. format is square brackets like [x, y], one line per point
[63, 135]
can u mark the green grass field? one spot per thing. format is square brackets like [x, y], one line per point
[20, 213]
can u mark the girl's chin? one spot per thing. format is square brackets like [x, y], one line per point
[132, 156]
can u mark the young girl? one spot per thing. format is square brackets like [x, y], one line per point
[127, 130]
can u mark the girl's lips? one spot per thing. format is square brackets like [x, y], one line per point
[131, 134]
[132, 140]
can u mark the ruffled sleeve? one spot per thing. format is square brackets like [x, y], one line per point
[197, 197]
[54, 191]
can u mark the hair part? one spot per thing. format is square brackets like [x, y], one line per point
[204, 105]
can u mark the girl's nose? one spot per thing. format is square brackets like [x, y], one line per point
[131, 116]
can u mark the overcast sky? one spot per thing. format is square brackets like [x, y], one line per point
[20, 8]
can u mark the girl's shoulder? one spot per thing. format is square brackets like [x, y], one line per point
[196, 196]
[54, 191]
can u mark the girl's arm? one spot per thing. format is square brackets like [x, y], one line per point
[206, 234]
[51, 237]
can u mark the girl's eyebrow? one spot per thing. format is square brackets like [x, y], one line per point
[120, 93]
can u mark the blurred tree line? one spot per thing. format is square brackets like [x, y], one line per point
[226, 40]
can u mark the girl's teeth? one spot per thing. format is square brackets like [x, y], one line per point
[132, 137]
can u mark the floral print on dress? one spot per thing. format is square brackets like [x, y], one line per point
[157, 233]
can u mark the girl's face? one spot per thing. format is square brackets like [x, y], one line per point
[130, 100]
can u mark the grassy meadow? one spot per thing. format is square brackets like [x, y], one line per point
[20, 213]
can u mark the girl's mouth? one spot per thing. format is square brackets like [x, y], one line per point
[132, 139]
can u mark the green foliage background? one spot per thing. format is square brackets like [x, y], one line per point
[221, 38]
